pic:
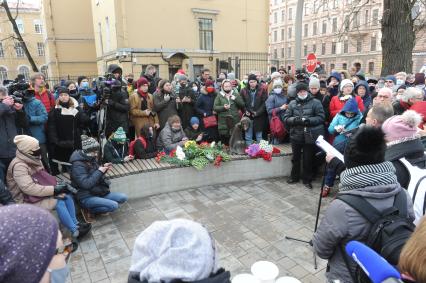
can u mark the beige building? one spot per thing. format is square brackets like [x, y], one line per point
[12, 58]
[189, 35]
[69, 38]
[332, 30]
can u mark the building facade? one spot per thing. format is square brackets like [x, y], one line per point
[189, 35]
[12, 58]
[339, 32]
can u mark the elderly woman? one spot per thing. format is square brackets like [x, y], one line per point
[172, 135]
[29, 182]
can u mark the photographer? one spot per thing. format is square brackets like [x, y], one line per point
[185, 101]
[29, 183]
[12, 117]
[165, 102]
[117, 103]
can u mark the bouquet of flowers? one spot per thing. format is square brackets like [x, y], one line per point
[262, 150]
[195, 155]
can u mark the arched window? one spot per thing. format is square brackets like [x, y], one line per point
[43, 69]
[24, 70]
[3, 74]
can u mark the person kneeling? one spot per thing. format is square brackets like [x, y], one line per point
[143, 147]
[116, 149]
[193, 131]
[172, 135]
[93, 189]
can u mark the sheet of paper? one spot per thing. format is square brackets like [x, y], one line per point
[328, 148]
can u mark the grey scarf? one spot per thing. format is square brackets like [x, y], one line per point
[368, 176]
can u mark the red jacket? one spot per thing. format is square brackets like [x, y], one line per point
[47, 99]
[420, 107]
[132, 145]
[336, 105]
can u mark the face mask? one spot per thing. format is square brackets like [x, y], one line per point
[278, 90]
[129, 80]
[64, 104]
[59, 275]
[85, 85]
[399, 82]
[36, 153]
[175, 129]
[372, 88]
[72, 91]
[302, 97]
[194, 88]
[92, 154]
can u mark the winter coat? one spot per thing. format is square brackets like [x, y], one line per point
[366, 99]
[20, 182]
[226, 119]
[341, 120]
[5, 195]
[86, 177]
[420, 107]
[310, 109]
[274, 102]
[205, 104]
[164, 109]
[89, 105]
[186, 110]
[258, 107]
[221, 276]
[64, 130]
[342, 223]
[143, 148]
[413, 151]
[46, 98]
[37, 117]
[170, 139]
[10, 121]
[192, 134]
[138, 116]
[117, 112]
[114, 152]
[336, 105]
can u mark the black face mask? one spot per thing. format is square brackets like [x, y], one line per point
[64, 104]
[72, 91]
[36, 153]
[372, 88]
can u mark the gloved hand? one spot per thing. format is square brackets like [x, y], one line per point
[60, 188]
[298, 121]
[307, 122]
[167, 97]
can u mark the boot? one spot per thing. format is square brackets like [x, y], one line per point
[88, 217]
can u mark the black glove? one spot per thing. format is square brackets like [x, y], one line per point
[307, 122]
[298, 121]
[60, 188]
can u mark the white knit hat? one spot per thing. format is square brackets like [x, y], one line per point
[346, 82]
[26, 144]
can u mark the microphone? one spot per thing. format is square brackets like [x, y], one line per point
[374, 265]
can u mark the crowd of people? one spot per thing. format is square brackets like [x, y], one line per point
[83, 127]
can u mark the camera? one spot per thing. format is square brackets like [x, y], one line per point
[18, 90]
[301, 75]
[107, 85]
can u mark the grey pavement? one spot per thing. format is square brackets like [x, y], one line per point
[249, 221]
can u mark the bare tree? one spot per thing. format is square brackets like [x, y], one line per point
[18, 35]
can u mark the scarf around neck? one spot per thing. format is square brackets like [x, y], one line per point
[143, 94]
[368, 176]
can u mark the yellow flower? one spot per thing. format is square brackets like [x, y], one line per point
[190, 144]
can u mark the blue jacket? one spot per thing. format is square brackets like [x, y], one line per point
[341, 120]
[205, 104]
[335, 90]
[367, 97]
[37, 118]
[274, 102]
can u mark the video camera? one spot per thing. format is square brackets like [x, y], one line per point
[301, 74]
[107, 84]
[18, 90]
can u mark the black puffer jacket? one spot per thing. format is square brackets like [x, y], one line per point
[221, 276]
[5, 195]
[413, 151]
[10, 120]
[86, 178]
[312, 111]
[117, 112]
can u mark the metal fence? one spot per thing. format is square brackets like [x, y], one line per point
[242, 63]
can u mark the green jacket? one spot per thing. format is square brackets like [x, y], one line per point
[227, 118]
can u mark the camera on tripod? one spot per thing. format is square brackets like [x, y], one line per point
[301, 74]
[107, 85]
[18, 90]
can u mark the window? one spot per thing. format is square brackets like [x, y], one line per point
[289, 52]
[40, 48]
[305, 50]
[375, 20]
[206, 34]
[314, 48]
[315, 7]
[290, 31]
[324, 27]
[366, 17]
[275, 17]
[38, 27]
[282, 34]
[275, 35]
[107, 35]
[345, 66]
[100, 37]
[282, 53]
[314, 28]
[20, 25]
[1, 50]
[373, 43]
[333, 48]
[290, 13]
[332, 66]
[356, 19]
[323, 47]
[3, 74]
[305, 9]
[347, 22]
[19, 50]
[345, 46]
[306, 30]
[275, 54]
[24, 70]
[335, 4]
[282, 15]
[358, 45]
[43, 69]
[334, 25]
[324, 5]
[371, 67]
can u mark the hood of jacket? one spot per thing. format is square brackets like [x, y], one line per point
[412, 148]
[334, 75]
[221, 276]
[375, 192]
[350, 106]
[78, 155]
[114, 68]
[364, 84]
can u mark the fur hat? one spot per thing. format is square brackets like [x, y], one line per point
[277, 83]
[366, 147]
[402, 128]
[26, 144]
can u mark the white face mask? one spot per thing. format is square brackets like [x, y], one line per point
[302, 97]
[278, 90]
[194, 88]
[399, 82]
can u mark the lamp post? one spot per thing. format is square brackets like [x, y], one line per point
[298, 33]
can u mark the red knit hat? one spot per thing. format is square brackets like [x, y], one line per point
[209, 83]
[142, 81]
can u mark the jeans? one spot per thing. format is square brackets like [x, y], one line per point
[108, 203]
[249, 135]
[66, 213]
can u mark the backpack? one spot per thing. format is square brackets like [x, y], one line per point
[277, 127]
[416, 189]
[390, 229]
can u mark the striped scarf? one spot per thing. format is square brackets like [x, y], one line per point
[368, 176]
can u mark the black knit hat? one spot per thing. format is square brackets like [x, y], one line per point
[301, 86]
[252, 77]
[367, 146]
[63, 89]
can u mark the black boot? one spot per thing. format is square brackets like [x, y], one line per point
[83, 229]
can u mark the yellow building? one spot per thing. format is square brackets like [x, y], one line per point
[189, 35]
[12, 58]
[69, 38]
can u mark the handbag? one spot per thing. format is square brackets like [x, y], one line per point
[42, 178]
[210, 121]
[276, 126]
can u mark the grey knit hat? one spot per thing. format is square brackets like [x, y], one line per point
[314, 82]
[178, 249]
[89, 144]
[28, 237]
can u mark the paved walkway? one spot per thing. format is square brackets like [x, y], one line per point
[248, 220]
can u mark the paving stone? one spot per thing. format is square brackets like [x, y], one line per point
[116, 251]
[99, 275]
